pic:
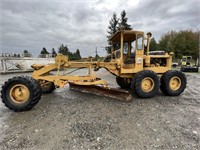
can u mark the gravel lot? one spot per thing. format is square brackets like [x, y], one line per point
[67, 119]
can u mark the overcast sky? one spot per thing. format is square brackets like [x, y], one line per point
[82, 24]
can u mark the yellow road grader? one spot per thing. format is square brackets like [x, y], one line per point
[133, 67]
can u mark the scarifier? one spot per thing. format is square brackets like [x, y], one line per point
[129, 61]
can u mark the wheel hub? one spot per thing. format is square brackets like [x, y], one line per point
[19, 93]
[147, 84]
[175, 83]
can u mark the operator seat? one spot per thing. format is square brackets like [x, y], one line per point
[131, 60]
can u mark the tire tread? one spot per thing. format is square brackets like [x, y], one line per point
[36, 92]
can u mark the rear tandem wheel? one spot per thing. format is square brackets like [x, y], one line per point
[145, 84]
[173, 83]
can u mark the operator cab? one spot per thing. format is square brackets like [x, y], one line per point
[128, 47]
[131, 54]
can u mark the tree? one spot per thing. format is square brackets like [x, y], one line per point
[60, 49]
[153, 44]
[184, 42]
[112, 29]
[123, 22]
[166, 42]
[27, 53]
[113, 23]
[53, 52]
[63, 50]
[77, 54]
[116, 24]
[44, 51]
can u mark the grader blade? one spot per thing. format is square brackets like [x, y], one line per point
[118, 94]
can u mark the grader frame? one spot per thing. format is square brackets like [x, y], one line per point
[116, 66]
[132, 65]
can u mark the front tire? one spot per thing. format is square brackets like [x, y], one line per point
[47, 87]
[124, 83]
[145, 84]
[173, 83]
[21, 93]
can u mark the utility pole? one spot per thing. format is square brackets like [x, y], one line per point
[96, 51]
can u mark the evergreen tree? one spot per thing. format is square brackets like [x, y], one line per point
[123, 22]
[63, 50]
[112, 29]
[77, 54]
[44, 51]
[116, 24]
[113, 23]
[53, 52]
[60, 49]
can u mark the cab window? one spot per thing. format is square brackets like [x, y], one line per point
[139, 41]
[125, 48]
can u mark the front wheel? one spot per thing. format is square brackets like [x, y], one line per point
[21, 93]
[173, 83]
[47, 87]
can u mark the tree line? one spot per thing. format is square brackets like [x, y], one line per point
[62, 50]
[182, 43]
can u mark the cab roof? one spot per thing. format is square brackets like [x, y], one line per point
[129, 35]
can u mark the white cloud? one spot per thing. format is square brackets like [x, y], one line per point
[33, 24]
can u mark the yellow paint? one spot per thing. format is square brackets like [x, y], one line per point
[19, 93]
[147, 84]
[175, 83]
[117, 66]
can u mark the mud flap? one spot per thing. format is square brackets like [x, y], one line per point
[118, 94]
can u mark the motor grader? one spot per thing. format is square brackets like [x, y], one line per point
[131, 64]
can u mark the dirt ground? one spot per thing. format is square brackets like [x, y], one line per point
[67, 119]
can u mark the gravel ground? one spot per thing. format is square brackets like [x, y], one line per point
[67, 119]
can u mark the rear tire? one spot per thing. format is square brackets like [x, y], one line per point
[123, 82]
[21, 93]
[173, 83]
[145, 84]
